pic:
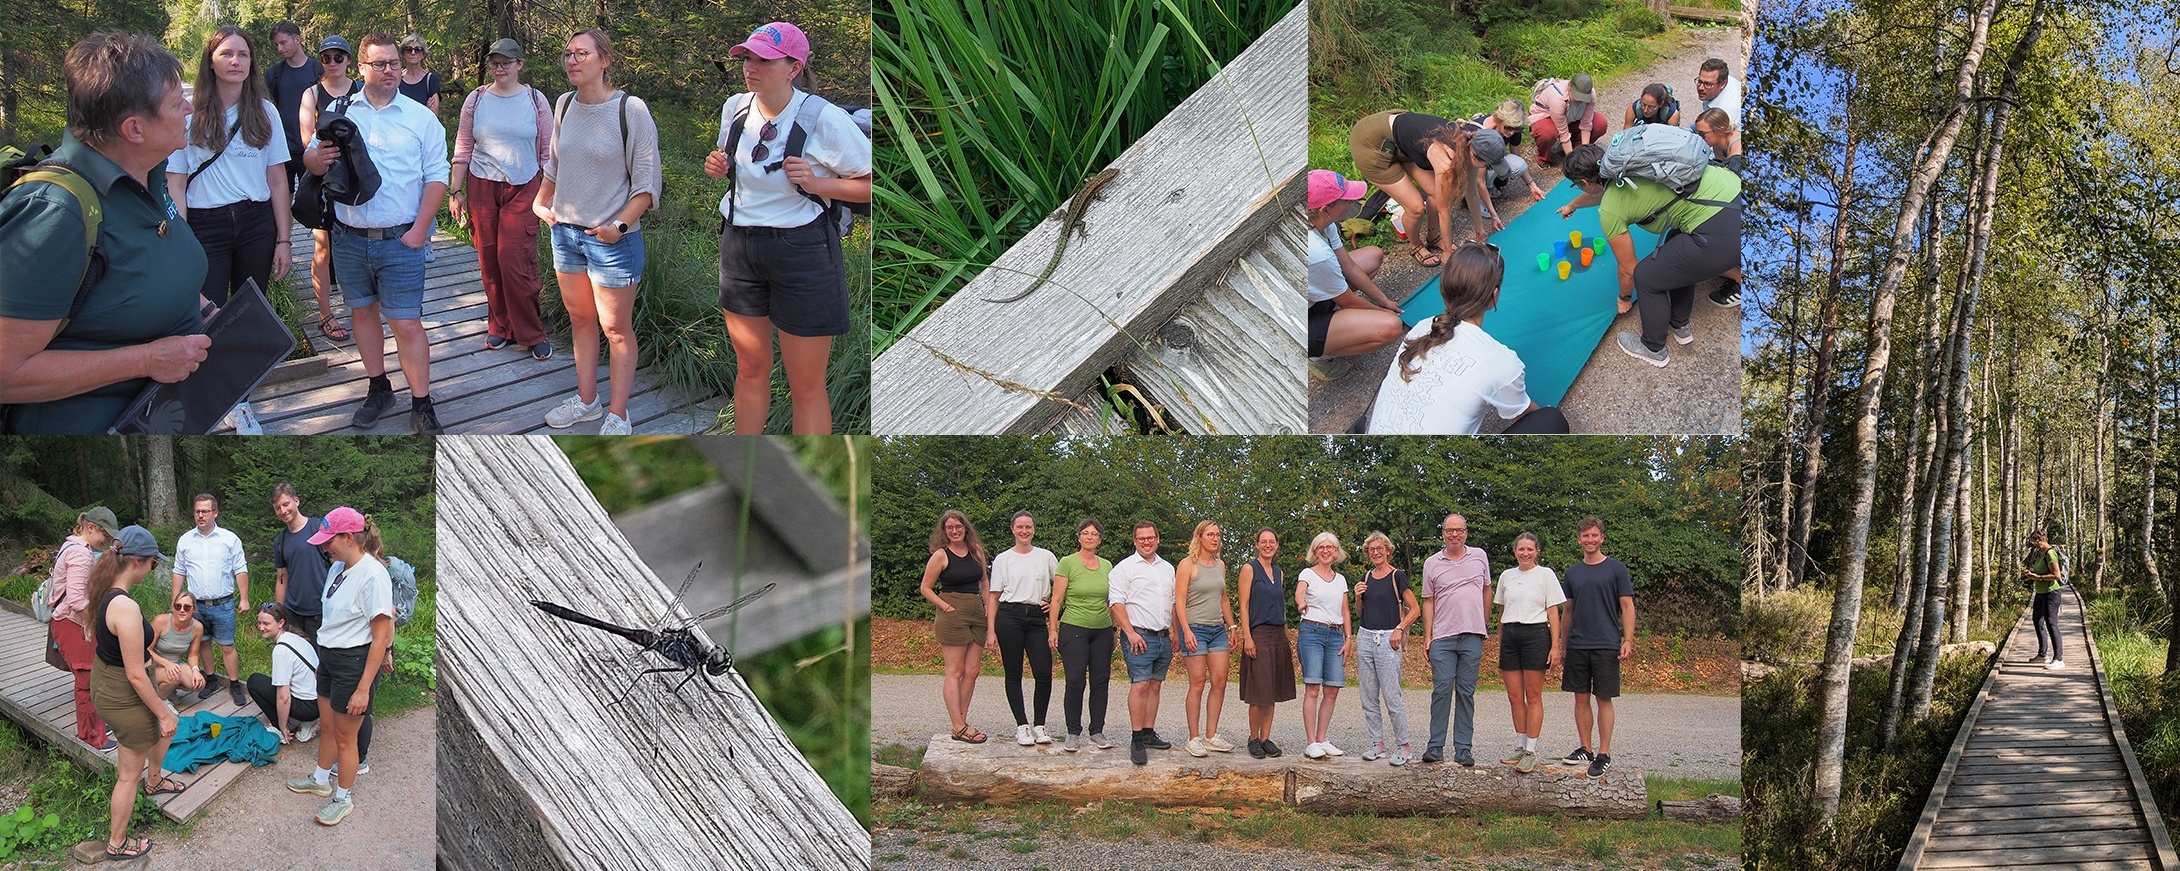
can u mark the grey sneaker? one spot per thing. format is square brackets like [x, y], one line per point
[363, 767]
[311, 787]
[542, 351]
[1404, 755]
[1074, 742]
[1464, 758]
[234, 692]
[1528, 762]
[1683, 335]
[614, 425]
[335, 811]
[573, 410]
[1197, 749]
[1218, 744]
[1376, 752]
[1514, 758]
[307, 731]
[1097, 739]
[378, 398]
[1328, 369]
[1633, 346]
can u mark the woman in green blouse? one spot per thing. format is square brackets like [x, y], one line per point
[1082, 631]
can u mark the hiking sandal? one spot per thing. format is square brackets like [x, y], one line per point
[331, 327]
[129, 849]
[167, 786]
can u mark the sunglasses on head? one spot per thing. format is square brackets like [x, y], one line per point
[1486, 243]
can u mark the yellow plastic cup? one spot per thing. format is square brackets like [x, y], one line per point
[1564, 268]
[1574, 239]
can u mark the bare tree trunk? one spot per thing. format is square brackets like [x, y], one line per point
[161, 505]
[1986, 532]
[2103, 421]
[1936, 150]
[1922, 427]
[1820, 376]
[2149, 478]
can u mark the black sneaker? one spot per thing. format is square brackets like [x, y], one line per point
[1727, 295]
[1464, 758]
[211, 685]
[423, 418]
[1256, 749]
[234, 691]
[1151, 740]
[1599, 765]
[1271, 749]
[375, 403]
[1432, 756]
[1137, 752]
[542, 351]
[1579, 756]
[495, 342]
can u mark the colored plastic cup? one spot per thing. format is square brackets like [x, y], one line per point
[1598, 245]
[1559, 249]
[1574, 239]
[1544, 262]
[1564, 268]
[1587, 254]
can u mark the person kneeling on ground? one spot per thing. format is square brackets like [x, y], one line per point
[1562, 117]
[1451, 369]
[1701, 239]
[289, 696]
[1349, 314]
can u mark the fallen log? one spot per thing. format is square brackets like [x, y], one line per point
[1716, 16]
[1451, 790]
[891, 781]
[1713, 808]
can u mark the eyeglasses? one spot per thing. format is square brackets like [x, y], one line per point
[764, 135]
[500, 64]
[1453, 529]
[384, 66]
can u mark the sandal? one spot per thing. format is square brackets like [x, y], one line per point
[1426, 258]
[167, 786]
[963, 735]
[129, 849]
[332, 328]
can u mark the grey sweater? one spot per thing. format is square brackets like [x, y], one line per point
[599, 177]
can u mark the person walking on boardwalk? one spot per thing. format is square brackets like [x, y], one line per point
[1019, 601]
[1267, 656]
[1204, 626]
[95, 531]
[1386, 607]
[1529, 628]
[1141, 599]
[124, 684]
[1456, 599]
[1082, 631]
[209, 564]
[2044, 571]
[954, 581]
[1600, 633]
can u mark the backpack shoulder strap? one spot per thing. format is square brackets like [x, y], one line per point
[798, 136]
[299, 657]
[65, 176]
[628, 159]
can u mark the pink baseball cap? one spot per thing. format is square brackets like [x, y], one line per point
[337, 521]
[776, 40]
[1327, 187]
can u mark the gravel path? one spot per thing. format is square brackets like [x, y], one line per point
[1669, 736]
[1700, 392]
[896, 850]
[257, 820]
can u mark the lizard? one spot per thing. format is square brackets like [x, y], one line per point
[1072, 224]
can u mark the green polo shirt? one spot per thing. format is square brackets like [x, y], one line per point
[1628, 201]
[149, 292]
[2043, 562]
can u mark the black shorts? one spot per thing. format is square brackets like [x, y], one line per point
[340, 669]
[1320, 323]
[1525, 646]
[794, 276]
[1592, 672]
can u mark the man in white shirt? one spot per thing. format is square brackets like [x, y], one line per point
[1141, 596]
[379, 248]
[1720, 91]
[209, 564]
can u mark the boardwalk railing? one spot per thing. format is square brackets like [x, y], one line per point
[2040, 775]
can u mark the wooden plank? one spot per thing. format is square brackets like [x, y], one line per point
[2016, 857]
[2033, 811]
[2060, 838]
[2068, 823]
[976, 366]
[1920, 839]
[554, 777]
[796, 507]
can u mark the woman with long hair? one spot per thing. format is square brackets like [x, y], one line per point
[1425, 163]
[124, 684]
[1320, 593]
[1450, 372]
[1656, 105]
[231, 182]
[1082, 631]
[600, 179]
[1529, 597]
[335, 55]
[780, 266]
[95, 530]
[1267, 655]
[1386, 606]
[504, 137]
[1019, 602]
[954, 582]
[353, 643]
[1206, 619]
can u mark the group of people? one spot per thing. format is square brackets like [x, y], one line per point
[198, 193]
[1430, 165]
[1030, 604]
[330, 621]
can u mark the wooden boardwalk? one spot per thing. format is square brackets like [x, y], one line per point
[2041, 775]
[42, 700]
[475, 390]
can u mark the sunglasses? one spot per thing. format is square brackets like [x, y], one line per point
[1494, 246]
[409, 48]
[764, 135]
[182, 609]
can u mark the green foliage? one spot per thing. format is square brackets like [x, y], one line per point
[819, 692]
[1667, 503]
[23, 828]
[994, 113]
[1786, 626]
[76, 802]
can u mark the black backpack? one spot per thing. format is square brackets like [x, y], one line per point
[734, 114]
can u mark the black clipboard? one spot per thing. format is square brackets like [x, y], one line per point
[248, 340]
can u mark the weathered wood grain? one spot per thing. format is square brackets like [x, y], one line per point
[536, 771]
[1198, 191]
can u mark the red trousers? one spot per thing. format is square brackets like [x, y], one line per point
[79, 653]
[506, 231]
[1551, 150]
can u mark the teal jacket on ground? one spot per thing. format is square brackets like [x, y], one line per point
[240, 739]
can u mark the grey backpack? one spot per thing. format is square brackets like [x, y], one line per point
[1662, 153]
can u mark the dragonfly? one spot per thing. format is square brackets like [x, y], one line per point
[679, 645]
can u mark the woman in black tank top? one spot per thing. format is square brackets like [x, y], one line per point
[123, 688]
[318, 99]
[1440, 164]
[954, 580]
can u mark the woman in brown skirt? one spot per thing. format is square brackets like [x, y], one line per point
[957, 570]
[1267, 655]
[123, 684]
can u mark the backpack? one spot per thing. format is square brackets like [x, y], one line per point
[628, 158]
[44, 602]
[405, 593]
[1668, 155]
[734, 113]
[18, 169]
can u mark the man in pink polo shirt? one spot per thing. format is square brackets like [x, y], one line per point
[1456, 596]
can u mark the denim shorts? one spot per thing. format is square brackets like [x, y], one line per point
[617, 265]
[1151, 664]
[219, 621]
[1209, 639]
[1318, 646]
[383, 272]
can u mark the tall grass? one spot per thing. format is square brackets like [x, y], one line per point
[995, 113]
[2148, 696]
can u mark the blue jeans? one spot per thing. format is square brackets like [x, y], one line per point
[219, 622]
[1454, 663]
[1319, 647]
[617, 265]
[1152, 663]
[380, 272]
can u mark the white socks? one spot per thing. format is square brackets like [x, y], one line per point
[321, 775]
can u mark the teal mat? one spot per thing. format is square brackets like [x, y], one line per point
[1552, 325]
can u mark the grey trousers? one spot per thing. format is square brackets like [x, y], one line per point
[1378, 666]
[1455, 662]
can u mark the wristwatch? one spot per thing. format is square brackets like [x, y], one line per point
[620, 227]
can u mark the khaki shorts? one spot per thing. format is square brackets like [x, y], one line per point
[965, 624]
[134, 725]
[1371, 143]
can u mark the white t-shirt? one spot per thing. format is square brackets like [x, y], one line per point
[1024, 577]
[1729, 99]
[295, 666]
[1326, 281]
[352, 597]
[1527, 594]
[1453, 385]
[836, 149]
[1321, 598]
[240, 173]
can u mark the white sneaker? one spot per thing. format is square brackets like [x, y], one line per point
[614, 425]
[1218, 744]
[1043, 737]
[2056, 664]
[572, 411]
[243, 420]
[1023, 737]
[1314, 751]
[1196, 747]
[276, 735]
[307, 731]
[1331, 750]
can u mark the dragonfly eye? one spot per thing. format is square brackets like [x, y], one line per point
[718, 662]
